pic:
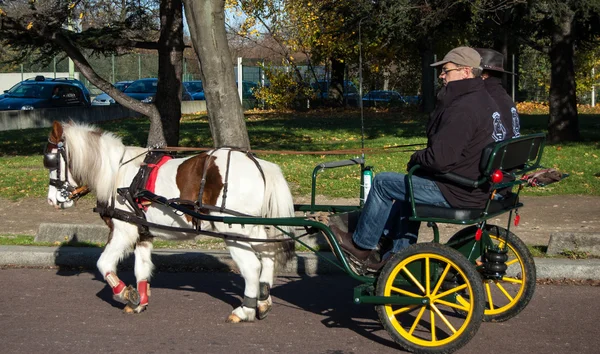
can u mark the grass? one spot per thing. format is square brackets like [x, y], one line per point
[22, 174]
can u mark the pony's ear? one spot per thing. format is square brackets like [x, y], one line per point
[57, 132]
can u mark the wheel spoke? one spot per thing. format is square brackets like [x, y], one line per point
[512, 261]
[414, 280]
[443, 318]
[417, 320]
[404, 292]
[512, 280]
[451, 291]
[404, 309]
[461, 300]
[441, 280]
[461, 306]
[488, 290]
[504, 291]
[432, 322]
[427, 277]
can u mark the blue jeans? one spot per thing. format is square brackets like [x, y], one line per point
[387, 210]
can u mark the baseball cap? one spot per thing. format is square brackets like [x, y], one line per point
[464, 56]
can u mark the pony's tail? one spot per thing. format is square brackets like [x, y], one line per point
[278, 203]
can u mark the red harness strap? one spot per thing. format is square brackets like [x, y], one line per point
[151, 182]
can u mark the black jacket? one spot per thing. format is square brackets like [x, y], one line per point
[508, 111]
[461, 126]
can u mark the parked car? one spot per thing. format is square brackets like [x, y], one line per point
[196, 89]
[104, 99]
[379, 98]
[44, 93]
[145, 90]
[350, 91]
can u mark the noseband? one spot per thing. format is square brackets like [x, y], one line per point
[65, 191]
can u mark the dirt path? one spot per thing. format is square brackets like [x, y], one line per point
[540, 217]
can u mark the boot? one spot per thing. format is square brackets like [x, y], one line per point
[348, 245]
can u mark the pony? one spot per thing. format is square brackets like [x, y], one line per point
[221, 181]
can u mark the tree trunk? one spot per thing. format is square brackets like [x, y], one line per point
[335, 93]
[170, 69]
[206, 20]
[563, 124]
[427, 78]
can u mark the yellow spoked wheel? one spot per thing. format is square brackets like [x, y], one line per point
[450, 313]
[507, 297]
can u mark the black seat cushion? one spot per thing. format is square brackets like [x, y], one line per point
[496, 206]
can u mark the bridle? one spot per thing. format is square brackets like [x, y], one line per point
[65, 192]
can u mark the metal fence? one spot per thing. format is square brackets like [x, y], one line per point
[143, 65]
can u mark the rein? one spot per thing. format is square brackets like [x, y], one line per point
[293, 152]
[133, 218]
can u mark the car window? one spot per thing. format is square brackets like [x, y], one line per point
[145, 86]
[121, 86]
[69, 95]
[194, 86]
[25, 91]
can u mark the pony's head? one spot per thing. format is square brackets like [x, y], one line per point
[75, 157]
[56, 160]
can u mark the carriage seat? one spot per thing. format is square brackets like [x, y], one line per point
[509, 202]
[501, 166]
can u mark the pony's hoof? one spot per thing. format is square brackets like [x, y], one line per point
[263, 310]
[233, 319]
[130, 310]
[132, 296]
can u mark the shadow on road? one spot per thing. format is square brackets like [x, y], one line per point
[329, 296]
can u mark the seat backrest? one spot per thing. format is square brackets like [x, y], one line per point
[517, 155]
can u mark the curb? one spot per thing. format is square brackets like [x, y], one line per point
[304, 263]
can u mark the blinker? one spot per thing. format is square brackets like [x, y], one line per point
[51, 160]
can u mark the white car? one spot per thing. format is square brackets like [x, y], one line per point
[104, 99]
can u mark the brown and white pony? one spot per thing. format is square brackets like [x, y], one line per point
[79, 154]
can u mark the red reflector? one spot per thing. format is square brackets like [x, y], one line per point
[497, 176]
[517, 219]
[478, 235]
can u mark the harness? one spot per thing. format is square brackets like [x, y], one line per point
[140, 194]
[65, 191]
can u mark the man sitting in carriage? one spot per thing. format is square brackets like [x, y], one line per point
[461, 126]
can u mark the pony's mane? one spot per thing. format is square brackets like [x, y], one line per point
[94, 157]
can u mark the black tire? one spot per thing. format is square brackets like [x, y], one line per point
[506, 298]
[461, 306]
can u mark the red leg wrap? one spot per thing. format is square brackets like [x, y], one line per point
[143, 289]
[115, 283]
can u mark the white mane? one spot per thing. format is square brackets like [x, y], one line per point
[94, 157]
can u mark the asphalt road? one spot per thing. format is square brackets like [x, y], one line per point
[54, 311]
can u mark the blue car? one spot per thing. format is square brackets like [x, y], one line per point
[145, 90]
[44, 93]
[104, 99]
[382, 98]
[196, 89]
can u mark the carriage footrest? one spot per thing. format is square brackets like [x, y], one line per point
[510, 201]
